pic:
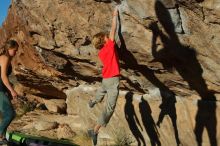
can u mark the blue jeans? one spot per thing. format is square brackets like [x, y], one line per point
[7, 112]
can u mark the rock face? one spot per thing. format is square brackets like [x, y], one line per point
[169, 57]
[44, 125]
[56, 105]
[152, 119]
[64, 131]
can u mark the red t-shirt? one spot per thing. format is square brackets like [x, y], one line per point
[109, 58]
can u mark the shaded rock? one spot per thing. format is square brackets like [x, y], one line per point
[41, 106]
[176, 19]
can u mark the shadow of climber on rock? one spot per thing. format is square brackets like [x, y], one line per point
[184, 60]
[132, 119]
[149, 123]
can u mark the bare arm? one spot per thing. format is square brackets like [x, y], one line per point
[114, 25]
[4, 67]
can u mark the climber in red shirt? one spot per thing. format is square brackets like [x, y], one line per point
[104, 42]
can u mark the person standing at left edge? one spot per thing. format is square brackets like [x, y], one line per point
[6, 89]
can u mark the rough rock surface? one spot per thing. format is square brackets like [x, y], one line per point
[169, 55]
[64, 131]
[44, 125]
[56, 105]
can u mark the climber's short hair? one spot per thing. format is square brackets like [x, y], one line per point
[98, 40]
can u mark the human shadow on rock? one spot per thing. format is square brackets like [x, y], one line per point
[184, 60]
[132, 119]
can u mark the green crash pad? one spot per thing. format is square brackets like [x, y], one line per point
[25, 140]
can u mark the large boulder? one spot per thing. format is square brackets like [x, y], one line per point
[167, 49]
